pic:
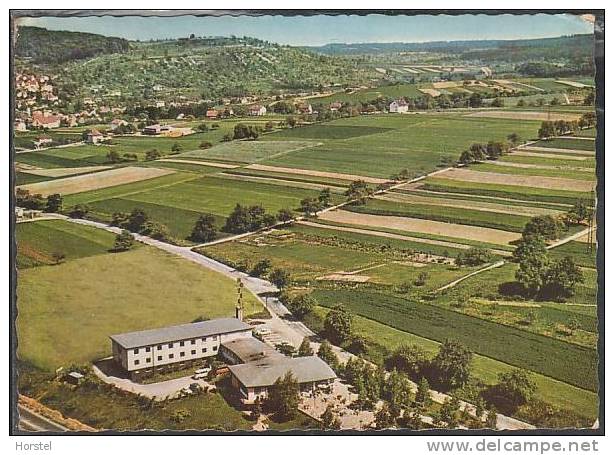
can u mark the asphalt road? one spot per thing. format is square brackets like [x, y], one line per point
[30, 421]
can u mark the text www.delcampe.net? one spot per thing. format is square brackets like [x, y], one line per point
[512, 446]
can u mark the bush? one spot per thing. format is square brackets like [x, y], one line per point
[473, 257]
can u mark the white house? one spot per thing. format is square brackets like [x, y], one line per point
[148, 351]
[398, 106]
[95, 137]
[257, 110]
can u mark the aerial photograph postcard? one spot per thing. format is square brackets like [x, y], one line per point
[317, 223]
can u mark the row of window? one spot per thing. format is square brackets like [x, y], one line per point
[181, 344]
[172, 356]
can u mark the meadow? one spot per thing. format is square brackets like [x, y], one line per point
[568, 143]
[67, 311]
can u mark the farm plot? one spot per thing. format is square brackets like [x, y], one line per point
[562, 151]
[89, 182]
[438, 212]
[567, 362]
[568, 143]
[247, 151]
[525, 115]
[333, 175]
[64, 172]
[537, 167]
[404, 223]
[416, 142]
[199, 163]
[331, 132]
[535, 170]
[557, 183]
[551, 156]
[469, 204]
[515, 192]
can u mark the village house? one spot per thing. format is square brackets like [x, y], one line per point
[212, 113]
[44, 120]
[335, 106]
[398, 106]
[116, 123]
[304, 108]
[256, 110]
[152, 130]
[95, 137]
[41, 141]
[20, 125]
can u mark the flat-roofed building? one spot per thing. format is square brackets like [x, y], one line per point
[141, 353]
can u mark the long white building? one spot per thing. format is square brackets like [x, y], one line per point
[140, 353]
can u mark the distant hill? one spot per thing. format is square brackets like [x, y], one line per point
[572, 47]
[49, 46]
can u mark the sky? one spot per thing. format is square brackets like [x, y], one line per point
[319, 30]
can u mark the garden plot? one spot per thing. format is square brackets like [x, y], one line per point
[98, 180]
[470, 205]
[401, 223]
[468, 175]
[64, 172]
[430, 91]
[335, 175]
[248, 151]
[525, 115]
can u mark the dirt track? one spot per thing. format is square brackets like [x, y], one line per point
[103, 179]
[458, 231]
[467, 175]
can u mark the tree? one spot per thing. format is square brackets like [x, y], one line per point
[358, 192]
[261, 268]
[338, 324]
[301, 305]
[384, 418]
[491, 419]
[532, 258]
[246, 219]
[475, 100]
[545, 226]
[205, 145]
[324, 197]
[451, 366]
[448, 413]
[136, 220]
[515, 387]
[204, 228]
[283, 397]
[560, 278]
[498, 102]
[473, 256]
[54, 203]
[58, 257]
[24, 199]
[304, 350]
[79, 211]
[328, 419]
[176, 147]
[358, 345]
[123, 241]
[326, 353]
[546, 130]
[397, 390]
[155, 230]
[514, 139]
[579, 213]
[421, 279]
[423, 394]
[408, 358]
[113, 157]
[285, 215]
[280, 278]
[286, 349]
[152, 154]
[309, 206]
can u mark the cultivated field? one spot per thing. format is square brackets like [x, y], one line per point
[96, 181]
[332, 175]
[64, 172]
[248, 151]
[525, 115]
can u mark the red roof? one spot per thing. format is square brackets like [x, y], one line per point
[39, 117]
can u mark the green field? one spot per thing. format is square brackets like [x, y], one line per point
[364, 95]
[507, 222]
[67, 311]
[486, 369]
[561, 161]
[247, 151]
[590, 132]
[563, 361]
[588, 174]
[506, 191]
[580, 251]
[415, 142]
[23, 178]
[572, 144]
[38, 241]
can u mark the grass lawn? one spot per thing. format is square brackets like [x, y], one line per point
[590, 132]
[67, 311]
[23, 178]
[560, 161]
[550, 390]
[247, 151]
[504, 221]
[563, 361]
[38, 241]
[579, 251]
[415, 142]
